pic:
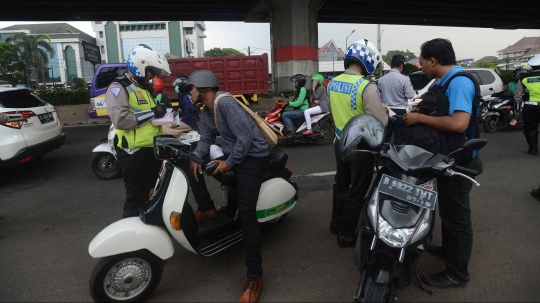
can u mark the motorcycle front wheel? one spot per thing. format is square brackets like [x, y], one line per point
[105, 166]
[491, 124]
[129, 277]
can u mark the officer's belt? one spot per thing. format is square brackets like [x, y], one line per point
[532, 103]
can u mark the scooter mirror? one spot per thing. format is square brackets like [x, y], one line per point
[475, 144]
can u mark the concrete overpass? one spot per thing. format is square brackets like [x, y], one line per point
[293, 23]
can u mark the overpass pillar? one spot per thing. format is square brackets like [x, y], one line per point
[294, 38]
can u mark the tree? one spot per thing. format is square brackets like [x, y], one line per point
[222, 52]
[10, 64]
[35, 50]
[409, 69]
[388, 57]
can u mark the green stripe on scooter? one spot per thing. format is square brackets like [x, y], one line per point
[263, 213]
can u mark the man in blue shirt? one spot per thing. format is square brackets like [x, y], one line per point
[438, 60]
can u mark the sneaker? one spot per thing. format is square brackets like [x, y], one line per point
[513, 122]
[307, 132]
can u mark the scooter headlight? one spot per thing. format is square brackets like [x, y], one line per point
[423, 228]
[372, 209]
[393, 237]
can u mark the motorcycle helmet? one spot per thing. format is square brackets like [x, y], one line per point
[519, 71]
[300, 78]
[364, 53]
[142, 58]
[535, 61]
[157, 84]
[180, 83]
[203, 80]
[362, 133]
[318, 78]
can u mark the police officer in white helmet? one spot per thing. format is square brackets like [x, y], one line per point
[531, 107]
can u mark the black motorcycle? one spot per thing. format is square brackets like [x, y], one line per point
[398, 217]
[499, 113]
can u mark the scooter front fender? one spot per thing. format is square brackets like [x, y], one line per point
[103, 148]
[128, 235]
[382, 272]
[492, 113]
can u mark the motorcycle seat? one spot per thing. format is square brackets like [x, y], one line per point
[276, 164]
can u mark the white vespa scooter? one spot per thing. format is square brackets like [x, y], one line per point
[132, 250]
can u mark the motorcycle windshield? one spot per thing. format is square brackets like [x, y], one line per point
[413, 158]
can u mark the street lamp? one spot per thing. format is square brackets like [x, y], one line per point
[346, 44]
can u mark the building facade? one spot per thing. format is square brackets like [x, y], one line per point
[68, 59]
[174, 39]
[520, 52]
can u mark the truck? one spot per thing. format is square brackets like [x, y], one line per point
[246, 77]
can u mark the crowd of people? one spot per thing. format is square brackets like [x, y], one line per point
[137, 98]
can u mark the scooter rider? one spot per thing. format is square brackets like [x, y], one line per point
[352, 94]
[246, 152]
[320, 102]
[300, 104]
[158, 94]
[190, 112]
[531, 109]
[131, 109]
[512, 88]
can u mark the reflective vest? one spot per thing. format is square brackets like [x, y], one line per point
[143, 136]
[531, 81]
[346, 101]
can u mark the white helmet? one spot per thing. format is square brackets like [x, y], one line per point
[365, 53]
[142, 57]
[535, 61]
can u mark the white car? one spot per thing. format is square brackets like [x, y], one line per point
[23, 141]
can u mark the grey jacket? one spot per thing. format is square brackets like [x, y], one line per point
[321, 95]
[241, 136]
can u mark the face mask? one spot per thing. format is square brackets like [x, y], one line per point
[177, 89]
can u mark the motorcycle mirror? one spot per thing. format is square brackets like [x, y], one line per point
[450, 154]
[475, 144]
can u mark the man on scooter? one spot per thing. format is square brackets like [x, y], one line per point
[299, 104]
[246, 152]
[131, 109]
[352, 94]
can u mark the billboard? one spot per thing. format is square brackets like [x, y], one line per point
[466, 61]
[91, 53]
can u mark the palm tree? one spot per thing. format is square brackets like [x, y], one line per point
[35, 51]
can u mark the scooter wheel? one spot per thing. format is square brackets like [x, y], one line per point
[490, 124]
[105, 166]
[129, 277]
[326, 136]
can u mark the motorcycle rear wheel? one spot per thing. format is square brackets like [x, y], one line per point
[490, 124]
[326, 134]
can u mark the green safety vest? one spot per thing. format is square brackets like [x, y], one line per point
[143, 136]
[346, 101]
[532, 82]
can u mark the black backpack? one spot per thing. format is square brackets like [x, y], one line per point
[435, 103]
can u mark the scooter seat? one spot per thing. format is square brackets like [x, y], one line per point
[276, 164]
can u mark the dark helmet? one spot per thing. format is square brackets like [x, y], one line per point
[362, 133]
[300, 78]
[203, 79]
[519, 71]
[181, 81]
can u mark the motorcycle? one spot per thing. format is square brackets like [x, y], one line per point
[499, 114]
[489, 101]
[322, 126]
[398, 218]
[131, 251]
[104, 163]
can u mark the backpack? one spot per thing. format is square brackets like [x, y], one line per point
[270, 134]
[435, 103]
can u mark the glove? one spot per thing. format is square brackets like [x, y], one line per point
[159, 110]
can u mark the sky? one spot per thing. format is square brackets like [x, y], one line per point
[468, 43]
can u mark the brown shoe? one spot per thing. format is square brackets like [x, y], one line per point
[202, 216]
[252, 291]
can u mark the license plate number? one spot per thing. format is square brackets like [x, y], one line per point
[413, 194]
[46, 118]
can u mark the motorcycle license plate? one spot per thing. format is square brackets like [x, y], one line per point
[410, 193]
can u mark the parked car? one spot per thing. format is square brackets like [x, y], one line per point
[23, 141]
[490, 82]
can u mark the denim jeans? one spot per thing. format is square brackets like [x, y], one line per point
[288, 116]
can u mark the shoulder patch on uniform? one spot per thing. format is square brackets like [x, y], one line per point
[115, 91]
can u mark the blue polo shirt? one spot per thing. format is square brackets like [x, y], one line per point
[460, 94]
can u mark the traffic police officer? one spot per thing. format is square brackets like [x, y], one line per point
[531, 109]
[352, 94]
[131, 108]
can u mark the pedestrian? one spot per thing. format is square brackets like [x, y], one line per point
[246, 152]
[461, 95]
[531, 107]
[351, 94]
[131, 109]
[396, 90]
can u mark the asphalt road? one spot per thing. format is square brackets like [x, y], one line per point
[50, 211]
